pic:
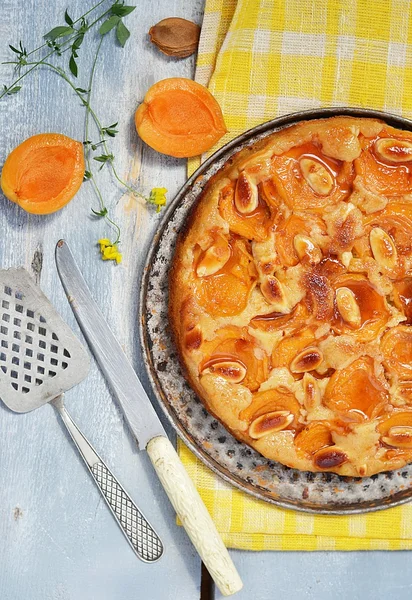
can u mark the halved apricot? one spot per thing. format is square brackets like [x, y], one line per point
[226, 291]
[275, 321]
[43, 173]
[291, 346]
[179, 117]
[368, 303]
[252, 226]
[286, 236]
[383, 169]
[402, 295]
[306, 178]
[356, 392]
[396, 346]
[270, 401]
[314, 437]
[235, 348]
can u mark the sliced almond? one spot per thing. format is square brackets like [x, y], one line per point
[348, 307]
[246, 194]
[307, 249]
[399, 436]
[311, 391]
[317, 176]
[273, 293]
[383, 248]
[393, 150]
[307, 360]
[270, 423]
[193, 338]
[330, 458]
[232, 371]
[214, 258]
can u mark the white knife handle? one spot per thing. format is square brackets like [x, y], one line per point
[194, 515]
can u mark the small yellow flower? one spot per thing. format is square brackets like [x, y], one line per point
[158, 197]
[109, 251]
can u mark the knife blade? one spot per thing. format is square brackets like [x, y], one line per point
[145, 425]
[138, 410]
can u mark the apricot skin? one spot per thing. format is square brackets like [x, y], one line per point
[180, 118]
[43, 173]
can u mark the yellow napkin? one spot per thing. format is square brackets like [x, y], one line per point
[262, 59]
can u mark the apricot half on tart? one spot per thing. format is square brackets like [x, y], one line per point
[43, 173]
[291, 296]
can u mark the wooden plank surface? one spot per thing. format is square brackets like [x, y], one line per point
[58, 540]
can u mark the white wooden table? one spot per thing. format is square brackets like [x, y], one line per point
[58, 540]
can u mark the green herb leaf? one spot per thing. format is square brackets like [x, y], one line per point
[110, 130]
[12, 90]
[87, 175]
[104, 158]
[122, 33]
[82, 91]
[108, 25]
[121, 11]
[14, 49]
[100, 213]
[58, 32]
[78, 42]
[73, 65]
[67, 18]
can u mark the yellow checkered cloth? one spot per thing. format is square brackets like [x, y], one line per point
[262, 59]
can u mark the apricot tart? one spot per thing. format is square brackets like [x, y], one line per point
[291, 296]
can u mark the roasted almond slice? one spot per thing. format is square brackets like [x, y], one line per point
[193, 338]
[231, 370]
[311, 391]
[273, 293]
[246, 195]
[270, 423]
[383, 248]
[348, 307]
[393, 150]
[307, 249]
[399, 436]
[317, 176]
[214, 258]
[307, 360]
[330, 458]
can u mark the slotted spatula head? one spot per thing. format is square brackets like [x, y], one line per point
[39, 355]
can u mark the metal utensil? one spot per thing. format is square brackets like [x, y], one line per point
[145, 425]
[40, 358]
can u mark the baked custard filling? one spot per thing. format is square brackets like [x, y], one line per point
[291, 296]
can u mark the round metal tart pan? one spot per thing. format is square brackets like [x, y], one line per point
[235, 462]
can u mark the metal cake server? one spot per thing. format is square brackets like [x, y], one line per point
[146, 427]
[40, 358]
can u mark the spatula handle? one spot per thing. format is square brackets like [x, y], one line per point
[194, 515]
[138, 531]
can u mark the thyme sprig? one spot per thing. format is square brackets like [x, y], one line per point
[68, 38]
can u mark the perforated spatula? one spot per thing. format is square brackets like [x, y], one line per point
[40, 358]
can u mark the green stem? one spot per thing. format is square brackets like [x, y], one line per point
[66, 43]
[74, 23]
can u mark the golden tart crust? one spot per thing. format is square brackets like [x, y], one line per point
[291, 296]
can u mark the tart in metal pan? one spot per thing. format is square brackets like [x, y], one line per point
[234, 461]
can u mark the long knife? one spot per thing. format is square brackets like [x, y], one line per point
[146, 426]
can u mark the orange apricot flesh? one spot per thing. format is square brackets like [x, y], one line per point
[43, 173]
[179, 117]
